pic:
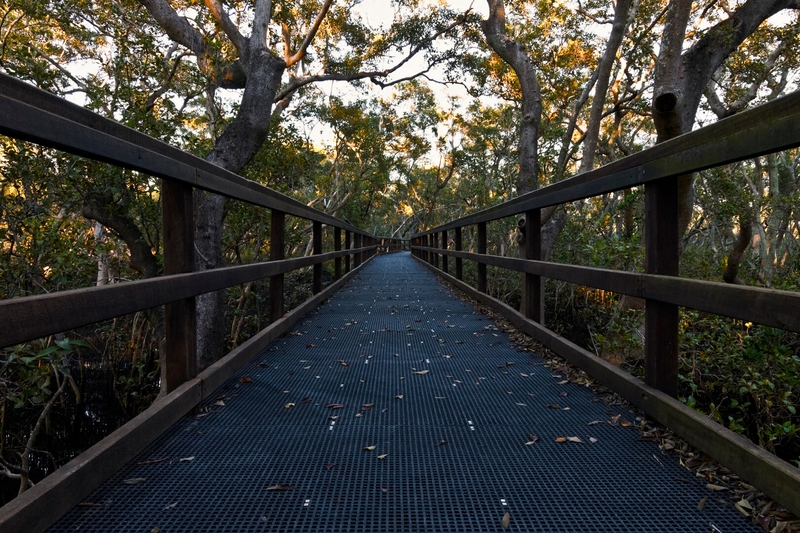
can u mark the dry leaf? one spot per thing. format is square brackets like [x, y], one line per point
[186, 459]
[134, 480]
[711, 486]
[369, 448]
[398, 397]
[367, 406]
[246, 380]
[383, 456]
[575, 439]
[443, 441]
[384, 409]
[561, 439]
[359, 415]
[521, 404]
[220, 403]
[592, 440]
[171, 506]
[702, 503]
[306, 367]
[553, 406]
[335, 405]
[280, 487]
[383, 490]
[506, 521]
[342, 363]
[595, 422]
[288, 405]
[331, 465]
[563, 382]
[309, 345]
[421, 372]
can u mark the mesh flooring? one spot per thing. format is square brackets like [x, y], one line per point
[212, 473]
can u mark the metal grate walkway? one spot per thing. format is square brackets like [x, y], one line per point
[448, 404]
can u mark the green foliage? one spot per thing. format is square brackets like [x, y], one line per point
[746, 377]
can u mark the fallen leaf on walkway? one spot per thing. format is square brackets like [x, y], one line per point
[186, 459]
[246, 380]
[574, 439]
[333, 417]
[383, 490]
[306, 367]
[421, 372]
[534, 440]
[563, 394]
[335, 405]
[288, 405]
[521, 404]
[553, 406]
[595, 422]
[171, 506]
[280, 487]
[220, 403]
[506, 521]
[592, 440]
[503, 365]
[398, 397]
[343, 363]
[369, 448]
[563, 382]
[134, 480]
[309, 345]
[384, 409]
[441, 442]
[331, 465]
[367, 406]
[702, 503]
[614, 419]
[383, 456]
[711, 486]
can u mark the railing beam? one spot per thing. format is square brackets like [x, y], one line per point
[180, 317]
[459, 248]
[661, 257]
[316, 237]
[532, 301]
[337, 246]
[276, 253]
[482, 250]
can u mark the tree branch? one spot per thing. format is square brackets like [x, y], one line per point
[178, 28]
[312, 32]
[224, 21]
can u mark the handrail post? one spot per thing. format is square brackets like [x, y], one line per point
[180, 317]
[482, 250]
[532, 284]
[357, 256]
[337, 247]
[444, 256]
[459, 248]
[316, 237]
[435, 244]
[347, 246]
[661, 257]
[276, 253]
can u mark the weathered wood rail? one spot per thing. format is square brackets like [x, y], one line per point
[29, 114]
[769, 128]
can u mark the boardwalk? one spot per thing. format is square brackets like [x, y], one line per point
[397, 407]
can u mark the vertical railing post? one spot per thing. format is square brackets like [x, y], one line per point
[482, 250]
[532, 284]
[316, 236]
[444, 256]
[435, 244]
[337, 247]
[357, 256]
[276, 253]
[348, 245]
[459, 248]
[180, 318]
[661, 257]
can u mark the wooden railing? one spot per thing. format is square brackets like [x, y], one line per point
[770, 128]
[30, 114]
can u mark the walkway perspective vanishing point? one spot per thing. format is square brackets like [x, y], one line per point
[397, 407]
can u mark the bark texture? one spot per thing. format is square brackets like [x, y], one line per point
[515, 55]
